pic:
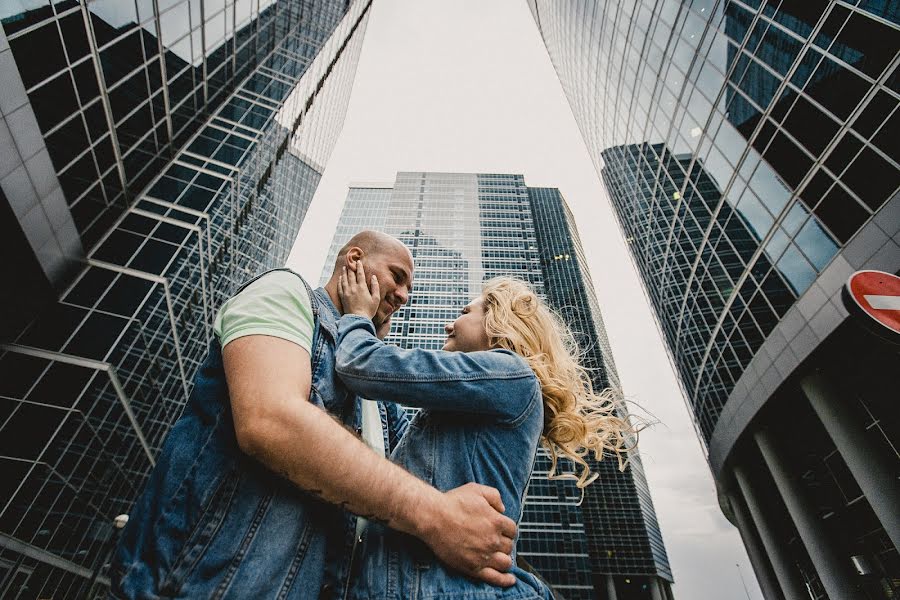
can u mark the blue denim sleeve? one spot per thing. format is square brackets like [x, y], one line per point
[495, 383]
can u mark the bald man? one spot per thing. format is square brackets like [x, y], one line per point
[255, 485]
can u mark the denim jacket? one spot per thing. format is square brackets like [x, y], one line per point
[214, 523]
[481, 419]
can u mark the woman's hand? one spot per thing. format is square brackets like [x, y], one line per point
[356, 297]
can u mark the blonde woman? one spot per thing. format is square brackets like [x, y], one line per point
[505, 381]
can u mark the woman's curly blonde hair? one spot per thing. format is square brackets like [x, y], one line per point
[577, 420]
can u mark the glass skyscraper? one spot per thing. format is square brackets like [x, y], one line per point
[746, 149]
[463, 229]
[154, 156]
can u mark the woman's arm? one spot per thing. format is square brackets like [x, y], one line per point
[498, 383]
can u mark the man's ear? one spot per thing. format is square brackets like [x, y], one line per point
[352, 257]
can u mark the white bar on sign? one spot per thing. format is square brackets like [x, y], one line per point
[883, 302]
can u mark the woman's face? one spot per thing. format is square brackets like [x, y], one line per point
[466, 333]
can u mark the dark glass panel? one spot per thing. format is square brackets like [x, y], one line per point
[787, 160]
[800, 16]
[122, 58]
[90, 287]
[54, 101]
[67, 142]
[126, 296]
[54, 327]
[810, 126]
[22, 20]
[874, 114]
[95, 116]
[806, 67]
[118, 247]
[777, 293]
[783, 105]
[86, 81]
[128, 95]
[167, 188]
[154, 257]
[171, 233]
[867, 44]
[103, 150]
[872, 178]
[889, 9]
[765, 135]
[38, 54]
[40, 423]
[88, 209]
[844, 152]
[893, 81]
[180, 86]
[841, 214]
[139, 224]
[59, 378]
[78, 177]
[836, 88]
[74, 36]
[96, 336]
[134, 127]
[887, 137]
[833, 23]
[817, 187]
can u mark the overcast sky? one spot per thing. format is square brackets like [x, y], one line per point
[467, 86]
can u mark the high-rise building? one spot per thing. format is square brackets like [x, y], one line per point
[746, 148]
[154, 155]
[463, 229]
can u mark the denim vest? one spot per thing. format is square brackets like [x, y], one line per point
[481, 419]
[214, 523]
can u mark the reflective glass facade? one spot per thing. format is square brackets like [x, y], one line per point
[89, 387]
[746, 149]
[743, 144]
[463, 229]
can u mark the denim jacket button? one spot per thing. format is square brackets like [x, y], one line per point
[327, 592]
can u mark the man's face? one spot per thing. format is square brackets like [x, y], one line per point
[394, 268]
[467, 333]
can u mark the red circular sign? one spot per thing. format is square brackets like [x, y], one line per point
[877, 294]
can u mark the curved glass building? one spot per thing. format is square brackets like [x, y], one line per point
[153, 155]
[749, 150]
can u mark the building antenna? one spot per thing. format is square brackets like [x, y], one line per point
[743, 583]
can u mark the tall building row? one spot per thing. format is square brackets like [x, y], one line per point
[748, 150]
[154, 155]
[466, 228]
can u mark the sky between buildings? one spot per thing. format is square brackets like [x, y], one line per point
[467, 86]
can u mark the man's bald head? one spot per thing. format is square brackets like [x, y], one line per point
[382, 256]
[372, 243]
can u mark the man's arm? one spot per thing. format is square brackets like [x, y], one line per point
[269, 384]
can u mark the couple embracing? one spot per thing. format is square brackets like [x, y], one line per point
[260, 490]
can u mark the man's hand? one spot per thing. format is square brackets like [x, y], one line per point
[471, 535]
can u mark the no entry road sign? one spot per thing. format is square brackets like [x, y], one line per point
[875, 295]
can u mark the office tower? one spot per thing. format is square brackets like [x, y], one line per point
[152, 161]
[463, 229]
[747, 151]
